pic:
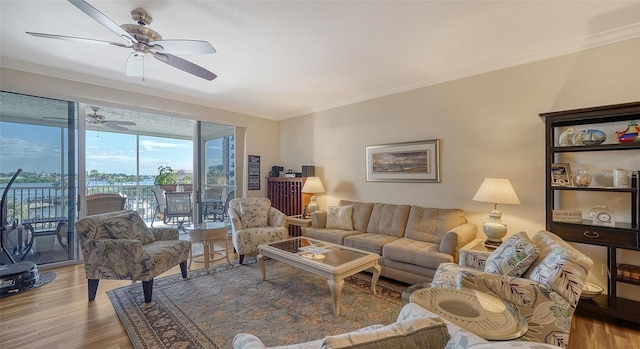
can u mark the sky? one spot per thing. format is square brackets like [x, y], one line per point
[38, 149]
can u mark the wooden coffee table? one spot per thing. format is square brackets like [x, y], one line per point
[331, 261]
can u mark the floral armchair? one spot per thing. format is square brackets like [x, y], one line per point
[118, 245]
[255, 222]
[546, 294]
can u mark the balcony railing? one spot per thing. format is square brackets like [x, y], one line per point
[30, 202]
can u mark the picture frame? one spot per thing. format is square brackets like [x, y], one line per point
[561, 175]
[567, 216]
[417, 161]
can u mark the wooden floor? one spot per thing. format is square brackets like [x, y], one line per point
[58, 315]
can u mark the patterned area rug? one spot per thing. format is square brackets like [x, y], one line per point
[291, 306]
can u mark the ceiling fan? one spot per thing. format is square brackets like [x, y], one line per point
[143, 41]
[97, 119]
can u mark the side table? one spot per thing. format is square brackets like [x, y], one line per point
[474, 254]
[299, 221]
[207, 234]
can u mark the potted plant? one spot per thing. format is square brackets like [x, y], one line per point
[166, 178]
[187, 183]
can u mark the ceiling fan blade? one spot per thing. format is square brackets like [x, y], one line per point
[196, 47]
[104, 20]
[114, 126]
[131, 123]
[73, 38]
[54, 118]
[185, 65]
[135, 64]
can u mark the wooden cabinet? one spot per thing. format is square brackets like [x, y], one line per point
[286, 195]
[623, 235]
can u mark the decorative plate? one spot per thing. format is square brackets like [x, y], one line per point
[589, 137]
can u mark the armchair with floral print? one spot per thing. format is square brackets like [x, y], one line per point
[255, 222]
[546, 294]
[118, 246]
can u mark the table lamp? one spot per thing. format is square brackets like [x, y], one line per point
[313, 185]
[496, 191]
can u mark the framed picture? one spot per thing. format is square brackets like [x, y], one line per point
[561, 175]
[404, 162]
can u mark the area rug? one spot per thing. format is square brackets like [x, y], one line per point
[291, 306]
[43, 279]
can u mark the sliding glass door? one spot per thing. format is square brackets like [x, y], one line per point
[216, 168]
[39, 136]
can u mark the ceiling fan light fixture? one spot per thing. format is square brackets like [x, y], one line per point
[143, 40]
[141, 16]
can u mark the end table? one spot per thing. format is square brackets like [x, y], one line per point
[299, 221]
[207, 234]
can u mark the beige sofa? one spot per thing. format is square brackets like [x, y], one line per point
[412, 241]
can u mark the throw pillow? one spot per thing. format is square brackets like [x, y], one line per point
[413, 333]
[128, 226]
[339, 217]
[254, 212]
[513, 257]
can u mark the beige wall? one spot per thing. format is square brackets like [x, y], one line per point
[259, 133]
[488, 125]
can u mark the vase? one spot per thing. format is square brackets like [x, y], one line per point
[583, 178]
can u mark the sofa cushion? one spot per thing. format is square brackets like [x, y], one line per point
[388, 219]
[418, 333]
[559, 266]
[254, 212]
[361, 213]
[369, 242]
[128, 225]
[513, 257]
[339, 217]
[334, 236]
[424, 254]
[431, 224]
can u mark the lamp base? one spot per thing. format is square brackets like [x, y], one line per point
[494, 228]
[313, 205]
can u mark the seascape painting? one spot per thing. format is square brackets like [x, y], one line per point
[415, 161]
[404, 162]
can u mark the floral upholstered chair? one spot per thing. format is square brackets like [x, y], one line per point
[118, 245]
[546, 293]
[255, 222]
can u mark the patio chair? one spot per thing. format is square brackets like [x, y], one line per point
[211, 201]
[178, 209]
[160, 204]
[104, 202]
[219, 213]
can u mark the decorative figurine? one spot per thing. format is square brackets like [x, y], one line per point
[630, 134]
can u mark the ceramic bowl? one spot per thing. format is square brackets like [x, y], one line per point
[590, 290]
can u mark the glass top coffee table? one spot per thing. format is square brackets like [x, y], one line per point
[207, 233]
[331, 261]
[480, 313]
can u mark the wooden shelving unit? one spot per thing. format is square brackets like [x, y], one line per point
[286, 195]
[622, 235]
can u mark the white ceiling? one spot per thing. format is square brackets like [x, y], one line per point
[279, 59]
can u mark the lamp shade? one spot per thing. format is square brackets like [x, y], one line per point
[497, 191]
[313, 185]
